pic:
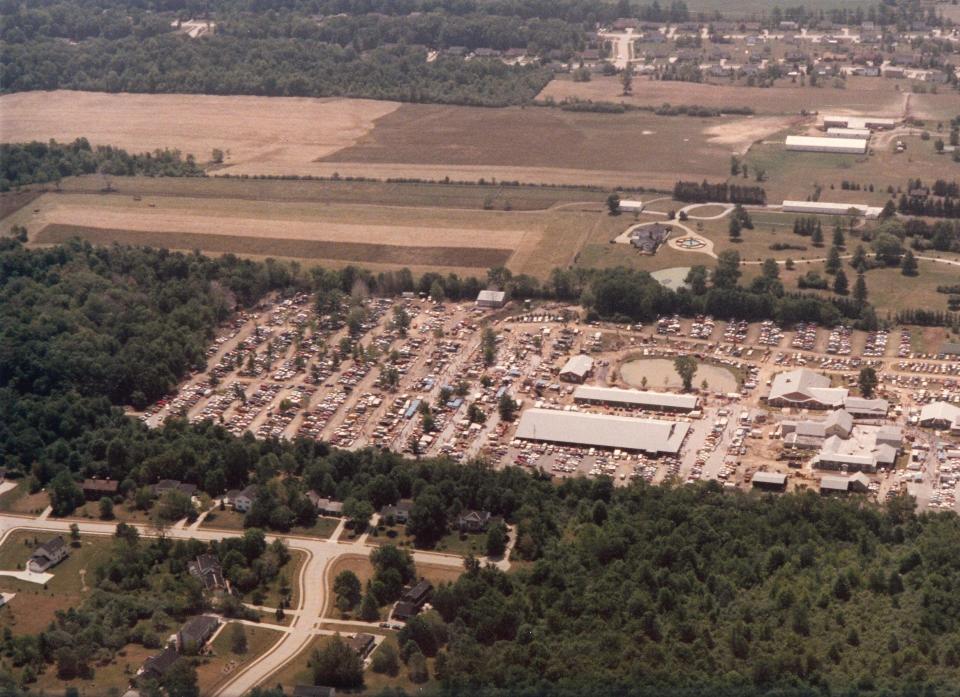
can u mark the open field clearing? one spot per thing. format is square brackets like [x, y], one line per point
[317, 231]
[279, 131]
[535, 144]
[867, 95]
[471, 196]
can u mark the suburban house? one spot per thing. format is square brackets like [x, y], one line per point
[155, 667]
[243, 500]
[96, 489]
[362, 644]
[206, 567]
[473, 521]
[314, 691]
[195, 632]
[398, 513]
[48, 554]
[324, 506]
[648, 238]
[806, 389]
[413, 600]
[165, 485]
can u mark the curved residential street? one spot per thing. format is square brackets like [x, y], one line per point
[305, 618]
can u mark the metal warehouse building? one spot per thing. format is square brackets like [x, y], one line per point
[868, 122]
[827, 208]
[660, 401]
[842, 146]
[864, 133]
[602, 431]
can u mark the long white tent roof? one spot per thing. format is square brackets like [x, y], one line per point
[602, 431]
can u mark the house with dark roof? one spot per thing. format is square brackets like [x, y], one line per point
[399, 513]
[314, 691]
[206, 567]
[647, 239]
[362, 644]
[48, 554]
[96, 489]
[156, 667]
[195, 632]
[473, 521]
[165, 485]
[413, 600]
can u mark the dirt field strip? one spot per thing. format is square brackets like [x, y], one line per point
[283, 131]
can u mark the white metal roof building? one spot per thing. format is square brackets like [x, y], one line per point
[627, 206]
[805, 388]
[832, 485]
[601, 431]
[491, 298]
[940, 415]
[842, 146]
[768, 480]
[664, 401]
[827, 208]
[861, 122]
[849, 133]
[576, 368]
[866, 408]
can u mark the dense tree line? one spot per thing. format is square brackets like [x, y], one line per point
[271, 67]
[942, 235]
[693, 192]
[670, 591]
[38, 163]
[932, 206]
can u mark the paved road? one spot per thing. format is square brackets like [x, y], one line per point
[320, 553]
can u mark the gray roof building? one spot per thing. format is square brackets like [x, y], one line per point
[805, 388]
[602, 431]
[491, 298]
[648, 400]
[576, 368]
[866, 408]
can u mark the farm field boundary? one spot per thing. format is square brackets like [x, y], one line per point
[473, 257]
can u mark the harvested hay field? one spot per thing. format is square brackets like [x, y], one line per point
[278, 133]
[399, 255]
[409, 194]
[867, 95]
[534, 144]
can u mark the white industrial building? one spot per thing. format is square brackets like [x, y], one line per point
[872, 123]
[840, 146]
[631, 206]
[657, 401]
[491, 298]
[602, 431]
[827, 208]
[849, 133]
[577, 368]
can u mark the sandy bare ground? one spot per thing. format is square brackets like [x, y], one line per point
[278, 221]
[281, 132]
[743, 133]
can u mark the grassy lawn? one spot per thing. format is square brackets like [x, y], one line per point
[121, 512]
[374, 682]
[298, 671]
[292, 571]
[359, 565]
[20, 500]
[223, 661]
[439, 574]
[391, 535]
[34, 607]
[324, 527]
[115, 674]
[228, 519]
[463, 543]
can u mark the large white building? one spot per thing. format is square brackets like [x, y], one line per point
[872, 123]
[827, 208]
[602, 431]
[655, 401]
[805, 388]
[841, 146]
[864, 133]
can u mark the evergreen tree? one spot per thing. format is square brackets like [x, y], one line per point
[833, 261]
[840, 283]
[860, 290]
[908, 265]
